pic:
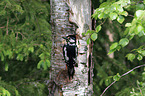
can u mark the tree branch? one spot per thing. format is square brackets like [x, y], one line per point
[139, 89]
[2, 27]
[120, 77]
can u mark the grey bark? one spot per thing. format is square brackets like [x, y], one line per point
[77, 12]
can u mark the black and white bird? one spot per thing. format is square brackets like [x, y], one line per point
[70, 54]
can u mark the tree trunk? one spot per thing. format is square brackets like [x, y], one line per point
[65, 15]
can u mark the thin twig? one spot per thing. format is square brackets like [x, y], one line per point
[120, 77]
[17, 36]
[7, 32]
[139, 89]
[130, 15]
[5, 6]
[107, 88]
[2, 27]
[20, 34]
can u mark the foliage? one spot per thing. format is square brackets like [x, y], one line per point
[8, 90]
[124, 20]
[140, 90]
[24, 30]
[25, 45]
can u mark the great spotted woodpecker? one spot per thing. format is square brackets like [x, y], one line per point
[70, 53]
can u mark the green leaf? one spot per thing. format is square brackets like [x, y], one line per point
[41, 46]
[10, 54]
[139, 29]
[6, 66]
[143, 53]
[120, 19]
[88, 41]
[101, 15]
[139, 51]
[107, 82]
[111, 51]
[140, 7]
[42, 56]
[95, 15]
[94, 36]
[139, 13]
[119, 8]
[118, 48]
[113, 46]
[3, 12]
[116, 77]
[127, 24]
[123, 42]
[104, 4]
[143, 75]
[31, 49]
[139, 57]
[20, 57]
[89, 32]
[125, 13]
[131, 36]
[105, 16]
[144, 1]
[113, 16]
[83, 34]
[130, 56]
[141, 33]
[44, 65]
[98, 28]
[40, 64]
[47, 63]
[107, 11]
[2, 56]
[16, 92]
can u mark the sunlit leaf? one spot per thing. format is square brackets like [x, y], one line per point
[139, 13]
[113, 46]
[40, 64]
[120, 19]
[113, 16]
[139, 29]
[42, 55]
[6, 66]
[89, 32]
[125, 13]
[116, 77]
[143, 52]
[127, 24]
[44, 65]
[47, 63]
[88, 41]
[130, 56]
[2, 56]
[111, 51]
[31, 49]
[120, 9]
[98, 28]
[123, 42]
[101, 15]
[139, 57]
[20, 57]
[141, 33]
[94, 36]
[139, 7]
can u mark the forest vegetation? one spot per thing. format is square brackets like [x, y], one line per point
[118, 47]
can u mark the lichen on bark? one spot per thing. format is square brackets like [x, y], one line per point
[65, 15]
